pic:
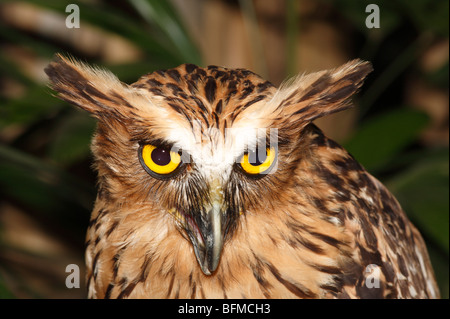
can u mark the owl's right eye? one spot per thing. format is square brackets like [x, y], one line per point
[160, 162]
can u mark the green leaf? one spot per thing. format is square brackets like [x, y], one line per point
[109, 19]
[9, 69]
[428, 15]
[423, 190]
[26, 41]
[5, 293]
[163, 15]
[72, 138]
[380, 139]
[57, 197]
[37, 102]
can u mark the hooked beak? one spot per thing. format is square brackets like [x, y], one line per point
[208, 243]
[206, 231]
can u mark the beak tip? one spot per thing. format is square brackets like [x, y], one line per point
[206, 272]
[208, 259]
[209, 265]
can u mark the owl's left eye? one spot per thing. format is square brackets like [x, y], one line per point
[160, 162]
[256, 162]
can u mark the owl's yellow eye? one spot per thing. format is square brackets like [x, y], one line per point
[160, 162]
[253, 162]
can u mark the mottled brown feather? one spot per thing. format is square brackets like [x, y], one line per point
[311, 229]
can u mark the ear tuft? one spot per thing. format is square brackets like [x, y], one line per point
[94, 90]
[306, 98]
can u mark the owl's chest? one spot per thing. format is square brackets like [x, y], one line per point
[153, 261]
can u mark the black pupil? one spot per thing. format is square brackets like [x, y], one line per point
[161, 156]
[257, 157]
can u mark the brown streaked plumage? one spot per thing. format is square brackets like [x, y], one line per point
[317, 225]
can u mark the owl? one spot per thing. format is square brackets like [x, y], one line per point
[214, 183]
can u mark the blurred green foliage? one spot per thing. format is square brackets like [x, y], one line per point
[45, 168]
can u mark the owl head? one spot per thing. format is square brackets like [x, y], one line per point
[203, 147]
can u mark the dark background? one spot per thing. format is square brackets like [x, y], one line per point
[398, 129]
